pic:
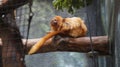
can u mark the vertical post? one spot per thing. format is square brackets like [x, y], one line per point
[114, 33]
[12, 49]
[0, 56]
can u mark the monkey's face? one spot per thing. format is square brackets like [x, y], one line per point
[56, 22]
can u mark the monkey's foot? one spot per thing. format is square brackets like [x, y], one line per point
[63, 41]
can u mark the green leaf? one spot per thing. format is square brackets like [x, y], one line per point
[70, 5]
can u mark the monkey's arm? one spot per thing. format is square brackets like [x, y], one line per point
[42, 41]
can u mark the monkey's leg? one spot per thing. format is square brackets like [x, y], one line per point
[59, 41]
[55, 40]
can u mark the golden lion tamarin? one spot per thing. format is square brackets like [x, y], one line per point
[72, 27]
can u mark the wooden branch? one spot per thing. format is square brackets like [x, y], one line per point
[82, 44]
[8, 5]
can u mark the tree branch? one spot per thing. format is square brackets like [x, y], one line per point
[8, 5]
[82, 44]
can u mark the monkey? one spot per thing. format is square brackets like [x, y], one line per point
[66, 27]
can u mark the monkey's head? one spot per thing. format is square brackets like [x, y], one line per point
[56, 22]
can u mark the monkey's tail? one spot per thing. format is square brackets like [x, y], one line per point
[42, 41]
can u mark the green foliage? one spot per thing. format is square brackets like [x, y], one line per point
[70, 5]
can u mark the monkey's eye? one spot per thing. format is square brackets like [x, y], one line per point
[55, 21]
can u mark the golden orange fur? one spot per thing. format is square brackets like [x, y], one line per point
[73, 27]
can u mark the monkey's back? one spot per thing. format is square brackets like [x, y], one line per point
[74, 27]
